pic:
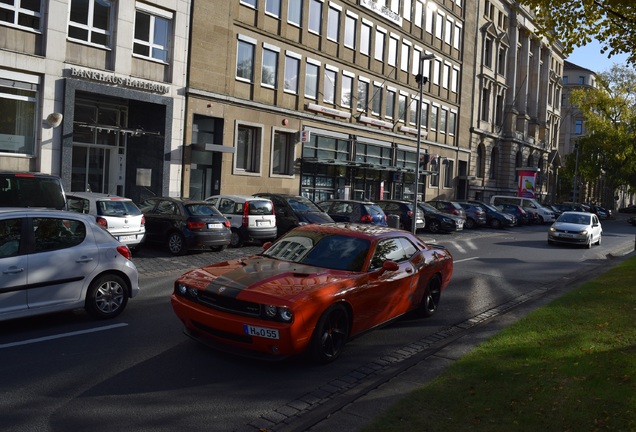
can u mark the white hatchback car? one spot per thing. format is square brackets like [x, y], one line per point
[120, 216]
[580, 228]
[251, 218]
[54, 261]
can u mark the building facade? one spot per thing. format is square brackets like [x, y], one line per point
[516, 113]
[320, 98]
[92, 90]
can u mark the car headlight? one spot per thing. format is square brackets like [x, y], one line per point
[182, 289]
[584, 232]
[446, 220]
[271, 311]
[276, 313]
[552, 229]
[285, 314]
[186, 291]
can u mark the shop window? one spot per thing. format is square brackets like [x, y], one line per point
[283, 153]
[18, 105]
[245, 60]
[248, 149]
[24, 14]
[91, 21]
[326, 148]
[269, 70]
[152, 33]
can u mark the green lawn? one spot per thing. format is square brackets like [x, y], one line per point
[569, 366]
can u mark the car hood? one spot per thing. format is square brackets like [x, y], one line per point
[566, 226]
[314, 217]
[270, 277]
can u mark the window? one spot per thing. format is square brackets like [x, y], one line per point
[365, 39]
[269, 70]
[251, 3]
[437, 70]
[90, 21]
[578, 127]
[389, 249]
[11, 230]
[363, 95]
[435, 166]
[406, 11]
[493, 164]
[54, 234]
[429, 20]
[452, 122]
[501, 61]
[448, 34]
[379, 45]
[295, 11]
[443, 117]
[448, 174]
[329, 92]
[152, 33]
[402, 98]
[446, 76]
[347, 88]
[18, 106]
[292, 64]
[311, 80]
[333, 24]
[283, 153]
[485, 104]
[245, 60]
[393, 46]
[488, 52]
[405, 58]
[413, 111]
[434, 112]
[439, 26]
[350, 31]
[419, 7]
[457, 38]
[581, 80]
[248, 149]
[479, 162]
[376, 103]
[565, 79]
[454, 80]
[390, 104]
[21, 13]
[272, 7]
[315, 16]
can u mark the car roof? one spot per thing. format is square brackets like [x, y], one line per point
[96, 195]
[352, 229]
[239, 197]
[350, 201]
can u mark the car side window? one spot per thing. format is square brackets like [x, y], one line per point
[78, 205]
[54, 234]
[10, 236]
[388, 249]
[166, 207]
[409, 248]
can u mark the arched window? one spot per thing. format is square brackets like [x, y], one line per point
[479, 163]
[493, 163]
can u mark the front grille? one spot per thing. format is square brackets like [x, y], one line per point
[229, 304]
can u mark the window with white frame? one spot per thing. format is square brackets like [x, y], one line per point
[283, 153]
[22, 13]
[350, 30]
[315, 16]
[439, 26]
[578, 127]
[269, 69]
[443, 117]
[329, 92]
[437, 70]
[245, 59]
[446, 76]
[251, 3]
[272, 7]
[405, 57]
[393, 50]
[417, 55]
[91, 21]
[413, 111]
[363, 95]
[365, 39]
[311, 79]
[390, 104]
[346, 90]
[458, 36]
[333, 23]
[248, 149]
[292, 66]
[153, 29]
[376, 102]
[430, 16]
[295, 12]
[448, 31]
[455, 79]
[18, 108]
[402, 100]
[452, 122]
[419, 13]
[406, 11]
[379, 44]
[434, 117]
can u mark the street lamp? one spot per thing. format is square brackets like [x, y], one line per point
[421, 80]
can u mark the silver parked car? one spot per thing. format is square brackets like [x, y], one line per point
[579, 228]
[53, 261]
[119, 215]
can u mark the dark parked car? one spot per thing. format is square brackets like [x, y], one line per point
[354, 211]
[629, 209]
[450, 207]
[294, 210]
[181, 224]
[475, 215]
[29, 189]
[403, 209]
[494, 217]
[601, 212]
[632, 220]
[522, 216]
[437, 221]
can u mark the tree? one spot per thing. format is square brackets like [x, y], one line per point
[611, 22]
[609, 147]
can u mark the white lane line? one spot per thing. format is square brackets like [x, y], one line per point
[62, 335]
[465, 259]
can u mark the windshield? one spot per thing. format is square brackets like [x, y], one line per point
[334, 251]
[302, 204]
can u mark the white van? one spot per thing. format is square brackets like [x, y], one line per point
[528, 204]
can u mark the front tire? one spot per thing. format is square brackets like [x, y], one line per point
[434, 226]
[469, 224]
[236, 241]
[330, 335]
[430, 301]
[599, 239]
[176, 244]
[495, 223]
[107, 296]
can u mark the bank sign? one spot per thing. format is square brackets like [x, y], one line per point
[119, 81]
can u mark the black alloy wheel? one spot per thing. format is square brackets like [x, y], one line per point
[330, 335]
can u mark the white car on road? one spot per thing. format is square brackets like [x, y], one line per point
[579, 228]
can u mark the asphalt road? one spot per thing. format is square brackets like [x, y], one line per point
[138, 372]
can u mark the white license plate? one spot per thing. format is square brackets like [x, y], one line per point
[566, 235]
[214, 225]
[127, 238]
[460, 226]
[262, 223]
[263, 332]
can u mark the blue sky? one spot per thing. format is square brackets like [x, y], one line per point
[590, 57]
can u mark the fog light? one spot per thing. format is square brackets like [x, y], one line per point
[274, 349]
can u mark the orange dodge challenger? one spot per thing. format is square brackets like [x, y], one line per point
[312, 290]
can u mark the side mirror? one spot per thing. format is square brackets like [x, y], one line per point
[389, 265]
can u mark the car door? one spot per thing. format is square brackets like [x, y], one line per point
[386, 294]
[62, 261]
[13, 266]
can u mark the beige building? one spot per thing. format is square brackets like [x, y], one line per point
[320, 98]
[515, 120]
[92, 91]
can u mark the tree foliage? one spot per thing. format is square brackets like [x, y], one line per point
[609, 147]
[575, 23]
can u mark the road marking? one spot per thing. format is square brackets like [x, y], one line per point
[59, 336]
[465, 259]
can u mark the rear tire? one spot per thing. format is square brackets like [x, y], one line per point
[495, 223]
[469, 224]
[107, 297]
[176, 244]
[430, 301]
[434, 226]
[236, 241]
[330, 335]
